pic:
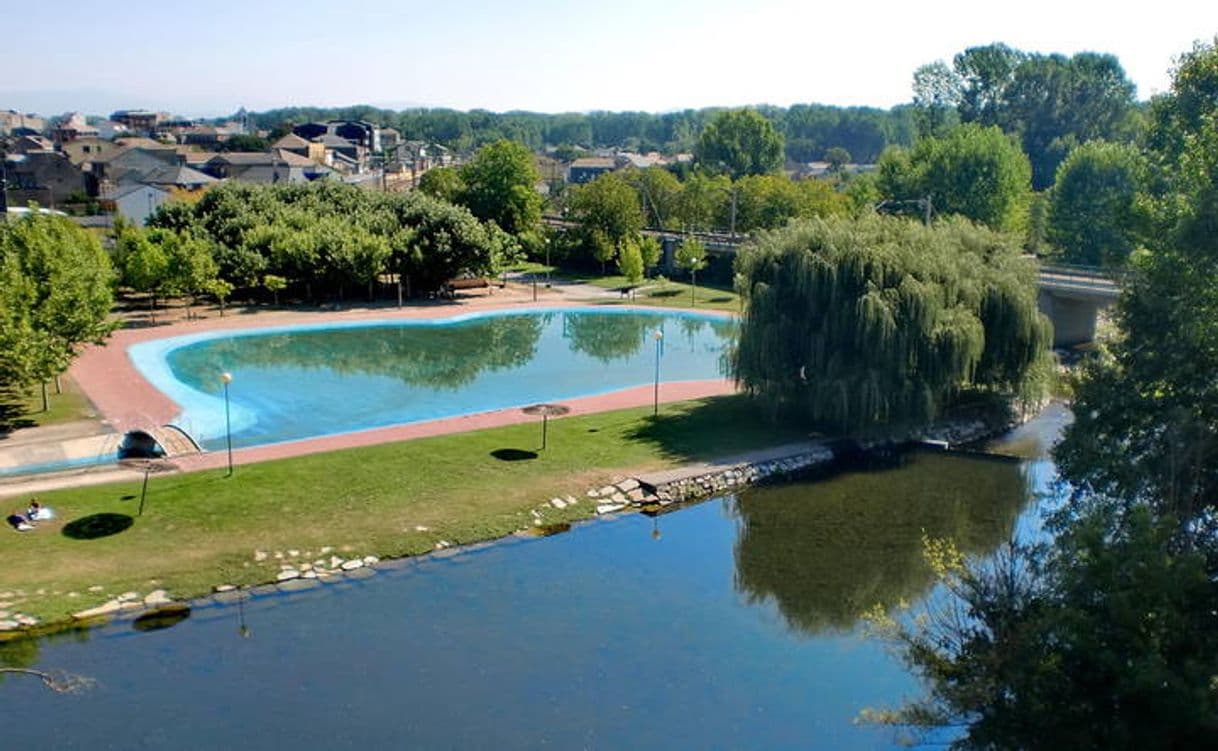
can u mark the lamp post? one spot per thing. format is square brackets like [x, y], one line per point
[655, 407]
[547, 263]
[227, 378]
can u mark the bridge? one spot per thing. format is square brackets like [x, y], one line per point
[1070, 296]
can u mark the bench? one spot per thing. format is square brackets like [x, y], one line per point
[449, 289]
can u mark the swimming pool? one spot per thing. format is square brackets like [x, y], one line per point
[296, 382]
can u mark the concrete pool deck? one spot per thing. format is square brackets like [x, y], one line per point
[127, 401]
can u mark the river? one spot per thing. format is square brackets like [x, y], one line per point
[728, 624]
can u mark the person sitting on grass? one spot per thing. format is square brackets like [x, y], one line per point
[19, 522]
[37, 512]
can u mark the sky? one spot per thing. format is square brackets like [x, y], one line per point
[209, 59]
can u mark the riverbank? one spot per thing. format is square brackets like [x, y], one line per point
[330, 515]
[202, 528]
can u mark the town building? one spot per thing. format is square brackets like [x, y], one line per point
[268, 168]
[44, 177]
[71, 127]
[14, 123]
[587, 169]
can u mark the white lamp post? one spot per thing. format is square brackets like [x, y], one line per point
[659, 337]
[227, 378]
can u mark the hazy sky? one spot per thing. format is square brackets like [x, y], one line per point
[545, 55]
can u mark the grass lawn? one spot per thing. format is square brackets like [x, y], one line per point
[24, 410]
[202, 529]
[672, 293]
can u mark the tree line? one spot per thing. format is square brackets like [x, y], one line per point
[322, 240]
[809, 130]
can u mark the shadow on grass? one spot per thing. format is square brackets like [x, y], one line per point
[664, 293]
[513, 455]
[13, 413]
[719, 426]
[97, 525]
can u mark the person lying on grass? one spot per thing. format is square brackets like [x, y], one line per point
[19, 522]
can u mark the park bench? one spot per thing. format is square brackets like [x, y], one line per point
[450, 288]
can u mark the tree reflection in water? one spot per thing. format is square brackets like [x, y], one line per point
[440, 357]
[825, 551]
[608, 337]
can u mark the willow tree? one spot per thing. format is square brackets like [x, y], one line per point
[873, 322]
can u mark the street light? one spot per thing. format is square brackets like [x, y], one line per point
[227, 378]
[659, 337]
[547, 263]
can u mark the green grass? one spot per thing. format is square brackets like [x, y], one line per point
[532, 267]
[24, 409]
[672, 293]
[202, 529]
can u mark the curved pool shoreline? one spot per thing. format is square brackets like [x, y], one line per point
[128, 399]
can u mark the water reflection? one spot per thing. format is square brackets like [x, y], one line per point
[824, 552]
[607, 338]
[624, 634]
[446, 357]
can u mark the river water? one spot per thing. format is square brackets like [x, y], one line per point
[729, 624]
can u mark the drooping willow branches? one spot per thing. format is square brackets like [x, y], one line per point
[862, 323]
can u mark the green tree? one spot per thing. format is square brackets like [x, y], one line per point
[1146, 411]
[838, 158]
[691, 256]
[738, 143]
[659, 192]
[1105, 638]
[55, 294]
[245, 142]
[275, 285]
[630, 261]
[703, 200]
[500, 186]
[221, 290]
[770, 201]
[608, 212]
[444, 183]
[880, 323]
[1054, 103]
[983, 75]
[189, 263]
[143, 265]
[1189, 105]
[975, 172]
[651, 251]
[936, 95]
[1095, 213]
[1103, 641]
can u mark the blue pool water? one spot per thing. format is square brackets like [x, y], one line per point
[291, 383]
